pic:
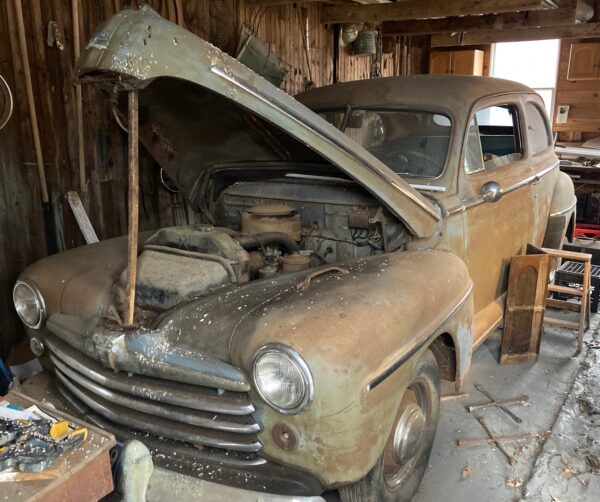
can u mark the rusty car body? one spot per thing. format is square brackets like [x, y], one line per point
[351, 246]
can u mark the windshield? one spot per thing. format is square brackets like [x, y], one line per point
[411, 143]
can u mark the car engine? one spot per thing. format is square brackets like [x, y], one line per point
[263, 229]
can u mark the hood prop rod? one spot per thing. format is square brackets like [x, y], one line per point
[134, 205]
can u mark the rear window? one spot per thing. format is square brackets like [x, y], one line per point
[537, 128]
[411, 143]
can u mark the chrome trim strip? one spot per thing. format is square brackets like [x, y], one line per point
[524, 182]
[228, 458]
[159, 426]
[178, 394]
[531, 179]
[220, 72]
[160, 444]
[178, 414]
[463, 207]
[428, 188]
[564, 211]
[419, 345]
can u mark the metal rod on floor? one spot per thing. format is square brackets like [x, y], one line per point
[134, 206]
[500, 439]
[509, 457]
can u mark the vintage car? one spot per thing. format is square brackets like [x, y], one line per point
[351, 248]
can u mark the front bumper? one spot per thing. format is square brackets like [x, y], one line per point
[168, 485]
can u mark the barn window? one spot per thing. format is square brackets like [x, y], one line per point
[533, 63]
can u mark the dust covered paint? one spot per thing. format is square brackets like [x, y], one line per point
[393, 267]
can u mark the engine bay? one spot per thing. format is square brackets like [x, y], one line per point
[263, 229]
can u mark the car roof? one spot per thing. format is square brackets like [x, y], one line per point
[455, 93]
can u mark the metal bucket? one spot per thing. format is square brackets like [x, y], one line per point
[365, 44]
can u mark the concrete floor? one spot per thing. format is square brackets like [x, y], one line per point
[554, 470]
[564, 407]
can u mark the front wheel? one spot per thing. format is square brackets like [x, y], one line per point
[397, 474]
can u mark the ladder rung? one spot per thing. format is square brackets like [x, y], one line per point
[561, 322]
[565, 290]
[568, 255]
[562, 304]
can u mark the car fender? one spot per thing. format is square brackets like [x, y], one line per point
[562, 212]
[361, 333]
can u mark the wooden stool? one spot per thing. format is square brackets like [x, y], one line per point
[583, 307]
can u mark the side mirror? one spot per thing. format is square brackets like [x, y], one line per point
[491, 191]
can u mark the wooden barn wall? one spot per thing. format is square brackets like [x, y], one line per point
[583, 97]
[22, 237]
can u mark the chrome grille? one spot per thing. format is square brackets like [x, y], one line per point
[199, 415]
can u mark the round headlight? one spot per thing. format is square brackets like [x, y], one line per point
[283, 379]
[29, 304]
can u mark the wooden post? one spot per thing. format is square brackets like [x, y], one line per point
[134, 206]
[78, 97]
[35, 132]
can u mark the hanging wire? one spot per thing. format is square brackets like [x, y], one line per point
[305, 45]
[259, 20]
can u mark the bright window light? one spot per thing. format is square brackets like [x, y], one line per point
[534, 64]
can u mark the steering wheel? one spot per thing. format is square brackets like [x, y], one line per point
[400, 162]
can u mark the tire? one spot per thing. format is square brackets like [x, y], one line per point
[391, 480]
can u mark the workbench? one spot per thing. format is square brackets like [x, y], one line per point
[84, 473]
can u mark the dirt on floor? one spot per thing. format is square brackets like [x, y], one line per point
[558, 461]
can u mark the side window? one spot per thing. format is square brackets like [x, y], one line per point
[537, 128]
[494, 138]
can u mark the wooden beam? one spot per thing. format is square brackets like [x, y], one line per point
[134, 207]
[83, 220]
[590, 30]
[35, 130]
[513, 20]
[78, 97]
[274, 3]
[422, 9]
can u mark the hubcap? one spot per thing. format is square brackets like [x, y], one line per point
[408, 434]
[406, 442]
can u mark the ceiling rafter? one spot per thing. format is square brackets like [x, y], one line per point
[513, 20]
[422, 9]
[588, 30]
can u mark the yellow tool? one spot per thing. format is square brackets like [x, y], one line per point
[82, 431]
[58, 429]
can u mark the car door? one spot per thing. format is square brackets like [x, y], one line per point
[496, 203]
[543, 163]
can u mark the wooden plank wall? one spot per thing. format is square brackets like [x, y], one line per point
[583, 97]
[22, 238]
[283, 27]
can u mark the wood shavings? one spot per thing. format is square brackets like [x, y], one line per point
[514, 482]
[593, 462]
[569, 471]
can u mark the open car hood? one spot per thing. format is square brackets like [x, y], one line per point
[201, 110]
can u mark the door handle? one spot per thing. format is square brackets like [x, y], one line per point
[536, 180]
[491, 191]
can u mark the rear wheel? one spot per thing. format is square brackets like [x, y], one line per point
[397, 474]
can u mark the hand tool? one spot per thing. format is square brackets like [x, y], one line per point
[509, 457]
[503, 408]
[498, 402]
